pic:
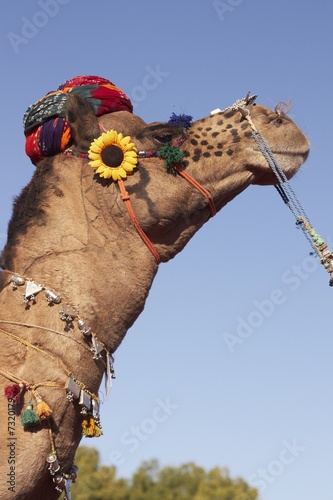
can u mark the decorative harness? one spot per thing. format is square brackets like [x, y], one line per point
[76, 390]
[173, 157]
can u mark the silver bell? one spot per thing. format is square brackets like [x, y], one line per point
[85, 330]
[16, 281]
[52, 297]
[54, 466]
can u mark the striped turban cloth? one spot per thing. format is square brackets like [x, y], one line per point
[45, 127]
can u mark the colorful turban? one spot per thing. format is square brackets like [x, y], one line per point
[45, 127]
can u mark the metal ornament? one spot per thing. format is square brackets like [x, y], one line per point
[96, 348]
[54, 466]
[85, 401]
[109, 374]
[67, 489]
[95, 413]
[73, 389]
[16, 281]
[111, 361]
[67, 313]
[63, 485]
[32, 289]
[88, 402]
[51, 297]
[85, 330]
[69, 479]
[63, 482]
[73, 473]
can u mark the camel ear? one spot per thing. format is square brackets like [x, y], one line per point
[82, 121]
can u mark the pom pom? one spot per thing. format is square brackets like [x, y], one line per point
[183, 121]
[90, 428]
[29, 417]
[171, 154]
[43, 410]
[13, 392]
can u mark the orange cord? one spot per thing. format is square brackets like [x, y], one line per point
[125, 197]
[200, 188]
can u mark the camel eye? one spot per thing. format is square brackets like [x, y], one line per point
[163, 138]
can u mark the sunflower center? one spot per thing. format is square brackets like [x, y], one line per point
[112, 156]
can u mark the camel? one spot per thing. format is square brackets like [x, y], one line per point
[82, 252]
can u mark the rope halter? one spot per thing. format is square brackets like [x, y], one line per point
[291, 200]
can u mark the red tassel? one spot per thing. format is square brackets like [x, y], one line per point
[13, 392]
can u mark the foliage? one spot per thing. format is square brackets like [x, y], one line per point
[151, 482]
[96, 482]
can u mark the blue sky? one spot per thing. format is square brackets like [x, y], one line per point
[263, 408]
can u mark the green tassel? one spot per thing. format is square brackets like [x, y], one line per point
[171, 154]
[29, 417]
[316, 238]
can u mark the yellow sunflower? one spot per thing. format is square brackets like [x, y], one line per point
[113, 156]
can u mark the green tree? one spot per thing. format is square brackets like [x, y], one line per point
[96, 482]
[180, 483]
[143, 482]
[169, 483]
[151, 482]
[217, 485]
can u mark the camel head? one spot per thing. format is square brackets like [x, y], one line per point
[219, 152]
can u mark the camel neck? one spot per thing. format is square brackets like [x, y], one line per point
[80, 244]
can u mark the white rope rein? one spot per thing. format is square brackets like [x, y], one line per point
[290, 199]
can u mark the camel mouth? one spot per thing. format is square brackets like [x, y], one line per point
[288, 151]
[296, 148]
[289, 163]
[291, 157]
[304, 153]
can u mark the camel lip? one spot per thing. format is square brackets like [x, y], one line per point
[303, 153]
[289, 161]
[287, 151]
[295, 154]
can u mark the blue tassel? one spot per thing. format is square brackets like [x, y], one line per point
[183, 121]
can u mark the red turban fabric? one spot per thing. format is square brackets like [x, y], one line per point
[45, 127]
